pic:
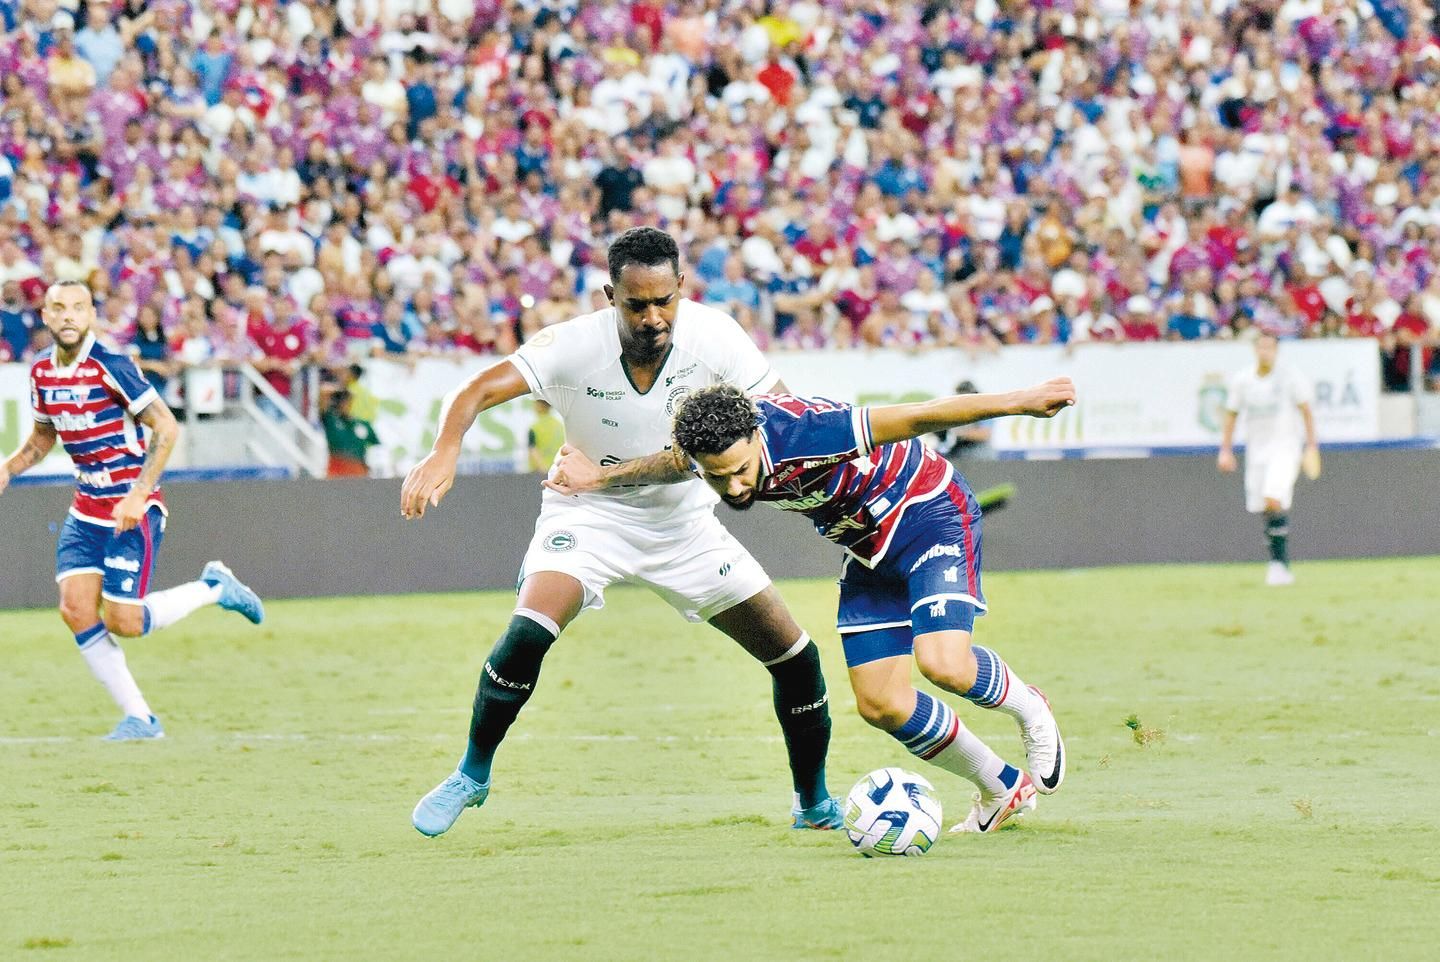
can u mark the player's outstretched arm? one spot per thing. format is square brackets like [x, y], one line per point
[31, 453]
[429, 480]
[574, 473]
[1225, 461]
[164, 432]
[896, 422]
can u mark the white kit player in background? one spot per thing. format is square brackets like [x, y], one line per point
[615, 377]
[1275, 400]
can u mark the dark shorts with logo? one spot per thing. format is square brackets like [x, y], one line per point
[126, 560]
[928, 581]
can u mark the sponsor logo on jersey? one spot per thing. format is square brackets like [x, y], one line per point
[123, 564]
[939, 551]
[804, 504]
[560, 541]
[683, 372]
[676, 396]
[65, 395]
[725, 569]
[73, 422]
[95, 479]
[610, 423]
[604, 395]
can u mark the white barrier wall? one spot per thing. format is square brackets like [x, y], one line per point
[1131, 395]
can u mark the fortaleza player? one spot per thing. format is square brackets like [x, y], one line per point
[92, 400]
[615, 377]
[1279, 438]
[911, 577]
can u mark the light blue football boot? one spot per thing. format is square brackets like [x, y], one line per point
[235, 595]
[824, 816]
[439, 809]
[133, 729]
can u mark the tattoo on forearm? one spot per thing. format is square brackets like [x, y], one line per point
[29, 455]
[660, 468]
[155, 457]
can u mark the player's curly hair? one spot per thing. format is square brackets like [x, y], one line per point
[645, 246]
[713, 418]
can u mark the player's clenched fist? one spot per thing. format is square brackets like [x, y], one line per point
[427, 483]
[1048, 399]
[573, 473]
[1226, 461]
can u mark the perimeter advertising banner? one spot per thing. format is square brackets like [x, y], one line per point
[1131, 395]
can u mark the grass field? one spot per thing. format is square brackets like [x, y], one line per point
[1278, 797]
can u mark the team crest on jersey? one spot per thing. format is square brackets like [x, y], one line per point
[676, 396]
[542, 338]
[560, 541]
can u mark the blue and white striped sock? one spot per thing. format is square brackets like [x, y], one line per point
[935, 734]
[997, 687]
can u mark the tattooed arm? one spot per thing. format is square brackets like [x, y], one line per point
[164, 432]
[31, 453]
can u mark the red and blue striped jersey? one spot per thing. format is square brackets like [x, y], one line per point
[818, 458]
[92, 404]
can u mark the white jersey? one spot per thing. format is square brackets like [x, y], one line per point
[1268, 407]
[576, 367]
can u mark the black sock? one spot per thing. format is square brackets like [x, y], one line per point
[1277, 529]
[506, 684]
[803, 709]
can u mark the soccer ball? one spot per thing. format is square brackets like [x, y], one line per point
[892, 812]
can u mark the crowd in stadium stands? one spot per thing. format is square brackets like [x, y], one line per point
[306, 181]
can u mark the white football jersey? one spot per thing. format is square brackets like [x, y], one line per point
[1267, 407]
[576, 367]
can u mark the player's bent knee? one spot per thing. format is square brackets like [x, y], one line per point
[78, 615]
[884, 713]
[127, 621]
[952, 667]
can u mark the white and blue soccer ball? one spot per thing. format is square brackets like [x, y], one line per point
[892, 812]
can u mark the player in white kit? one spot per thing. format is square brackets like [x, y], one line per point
[615, 378]
[1279, 438]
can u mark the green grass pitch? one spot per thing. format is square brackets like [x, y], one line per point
[1275, 795]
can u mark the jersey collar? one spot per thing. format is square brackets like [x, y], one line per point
[81, 356]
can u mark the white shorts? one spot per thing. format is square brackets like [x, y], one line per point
[697, 566]
[1270, 475]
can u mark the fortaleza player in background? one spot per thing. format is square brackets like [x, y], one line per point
[911, 577]
[615, 377]
[1279, 440]
[92, 400]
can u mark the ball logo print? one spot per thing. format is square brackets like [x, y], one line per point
[893, 812]
[560, 541]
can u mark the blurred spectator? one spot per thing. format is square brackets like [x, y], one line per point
[446, 175]
[152, 349]
[348, 438]
[547, 434]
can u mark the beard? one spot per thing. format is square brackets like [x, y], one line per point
[742, 503]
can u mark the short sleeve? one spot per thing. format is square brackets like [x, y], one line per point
[37, 407]
[815, 430]
[1233, 392]
[127, 383]
[738, 361]
[1301, 390]
[544, 362]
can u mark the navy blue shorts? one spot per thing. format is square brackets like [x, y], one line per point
[928, 581]
[126, 560]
